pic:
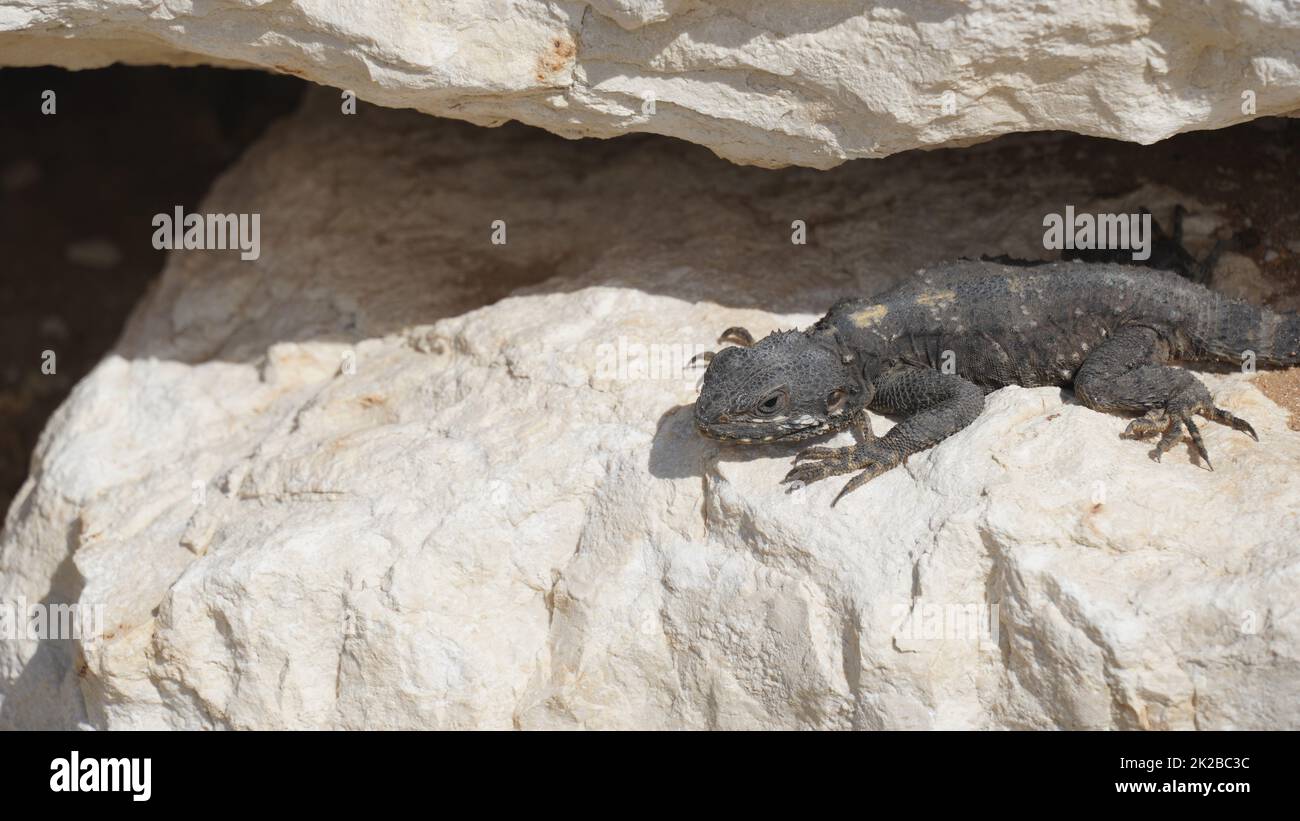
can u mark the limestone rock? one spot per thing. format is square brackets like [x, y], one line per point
[767, 83]
[391, 474]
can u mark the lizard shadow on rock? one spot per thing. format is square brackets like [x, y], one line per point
[678, 451]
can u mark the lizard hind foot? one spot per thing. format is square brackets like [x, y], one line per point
[737, 335]
[1171, 423]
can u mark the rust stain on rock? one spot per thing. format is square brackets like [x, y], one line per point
[556, 58]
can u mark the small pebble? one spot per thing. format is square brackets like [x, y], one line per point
[18, 175]
[94, 253]
[54, 327]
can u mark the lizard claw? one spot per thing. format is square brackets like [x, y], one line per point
[822, 453]
[1224, 418]
[702, 357]
[860, 480]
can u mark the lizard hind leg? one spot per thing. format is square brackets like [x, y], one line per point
[1190, 399]
[736, 335]
[1125, 374]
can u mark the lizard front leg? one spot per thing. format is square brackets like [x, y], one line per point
[936, 406]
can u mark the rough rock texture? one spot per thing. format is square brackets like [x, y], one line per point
[768, 83]
[418, 509]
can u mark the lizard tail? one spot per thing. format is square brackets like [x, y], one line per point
[1285, 349]
[1238, 332]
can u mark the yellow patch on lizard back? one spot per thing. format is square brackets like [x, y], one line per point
[1020, 285]
[936, 298]
[869, 316]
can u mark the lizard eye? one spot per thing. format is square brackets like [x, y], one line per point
[770, 405]
[835, 400]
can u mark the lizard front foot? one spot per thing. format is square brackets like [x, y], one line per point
[868, 457]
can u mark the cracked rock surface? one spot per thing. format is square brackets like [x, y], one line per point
[768, 83]
[391, 474]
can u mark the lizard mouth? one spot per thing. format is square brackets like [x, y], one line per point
[755, 435]
[763, 438]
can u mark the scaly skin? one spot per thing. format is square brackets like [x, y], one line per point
[930, 350]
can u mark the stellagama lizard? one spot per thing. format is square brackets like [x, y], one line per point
[931, 349]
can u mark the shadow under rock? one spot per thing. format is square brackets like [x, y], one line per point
[394, 223]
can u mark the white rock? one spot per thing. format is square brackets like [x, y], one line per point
[767, 83]
[417, 509]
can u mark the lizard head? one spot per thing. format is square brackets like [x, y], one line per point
[789, 386]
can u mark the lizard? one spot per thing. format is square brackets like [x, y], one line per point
[931, 349]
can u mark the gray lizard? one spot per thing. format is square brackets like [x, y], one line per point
[932, 348]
